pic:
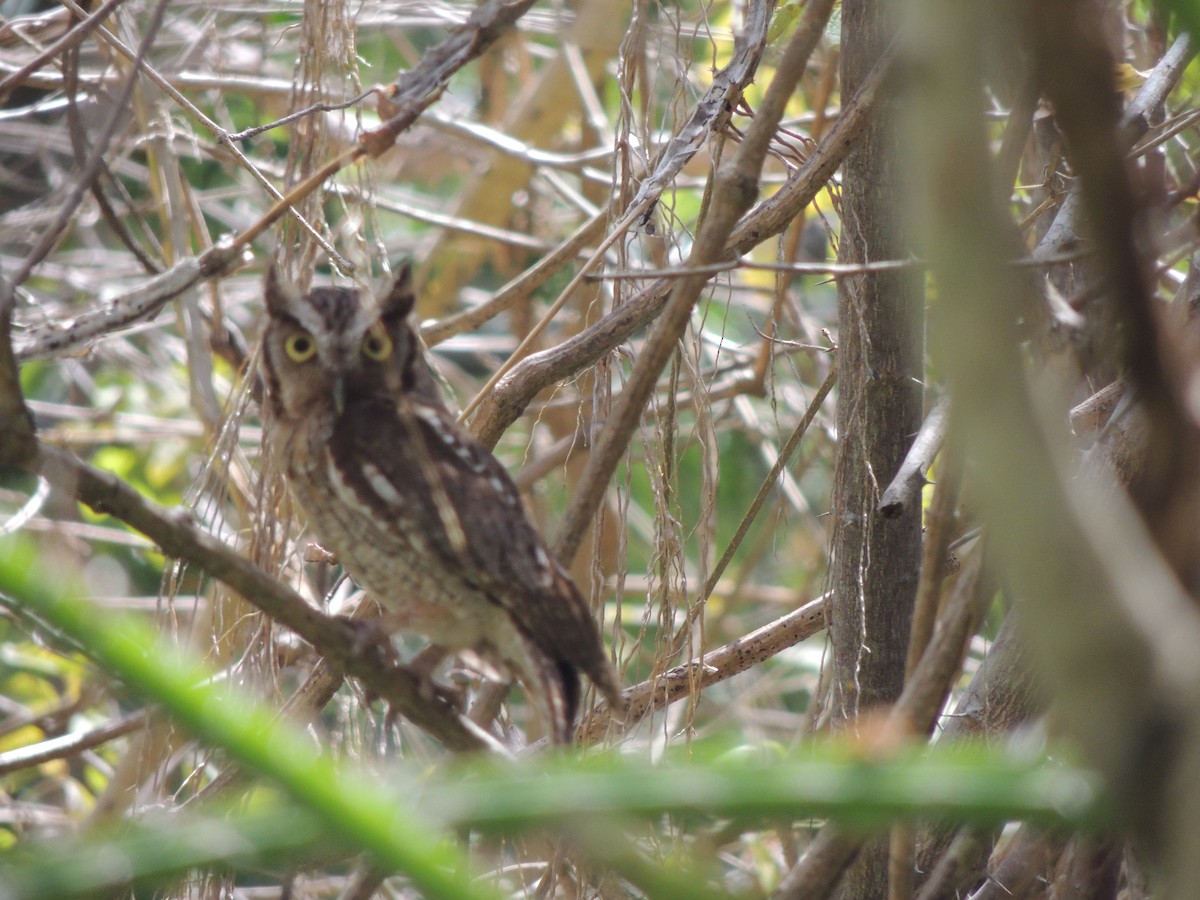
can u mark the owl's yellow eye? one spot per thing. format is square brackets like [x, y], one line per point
[300, 347]
[377, 345]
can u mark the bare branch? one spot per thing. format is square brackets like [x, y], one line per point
[416, 89]
[72, 744]
[708, 669]
[914, 713]
[90, 167]
[540, 370]
[519, 288]
[712, 113]
[906, 487]
[1063, 233]
[734, 190]
[144, 302]
[1097, 587]
[178, 536]
[73, 38]
[20, 443]
[1154, 90]
[1003, 694]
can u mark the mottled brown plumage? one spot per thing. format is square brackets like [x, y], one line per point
[420, 513]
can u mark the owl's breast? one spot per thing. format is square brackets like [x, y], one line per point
[378, 538]
[297, 446]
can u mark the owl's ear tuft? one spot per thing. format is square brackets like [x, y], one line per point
[279, 293]
[400, 298]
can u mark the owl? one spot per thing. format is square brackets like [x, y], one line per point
[418, 512]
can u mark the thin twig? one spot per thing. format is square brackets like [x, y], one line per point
[831, 268]
[934, 553]
[73, 38]
[415, 89]
[299, 114]
[713, 111]
[708, 669]
[91, 166]
[551, 311]
[70, 745]
[1063, 232]
[520, 287]
[216, 130]
[419, 87]
[764, 490]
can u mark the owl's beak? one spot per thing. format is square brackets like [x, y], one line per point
[339, 394]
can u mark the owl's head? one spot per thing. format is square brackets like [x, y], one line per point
[333, 346]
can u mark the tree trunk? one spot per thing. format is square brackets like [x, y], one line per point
[881, 348]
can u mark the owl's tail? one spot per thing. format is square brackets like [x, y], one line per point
[553, 687]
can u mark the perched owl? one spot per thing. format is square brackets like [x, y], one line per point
[420, 513]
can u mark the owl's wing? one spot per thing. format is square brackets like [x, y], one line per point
[478, 523]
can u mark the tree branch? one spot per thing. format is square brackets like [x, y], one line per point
[734, 190]
[418, 88]
[179, 537]
[414, 91]
[516, 390]
[906, 487]
[708, 669]
[914, 713]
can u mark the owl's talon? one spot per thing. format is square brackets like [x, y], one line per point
[423, 665]
[430, 690]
